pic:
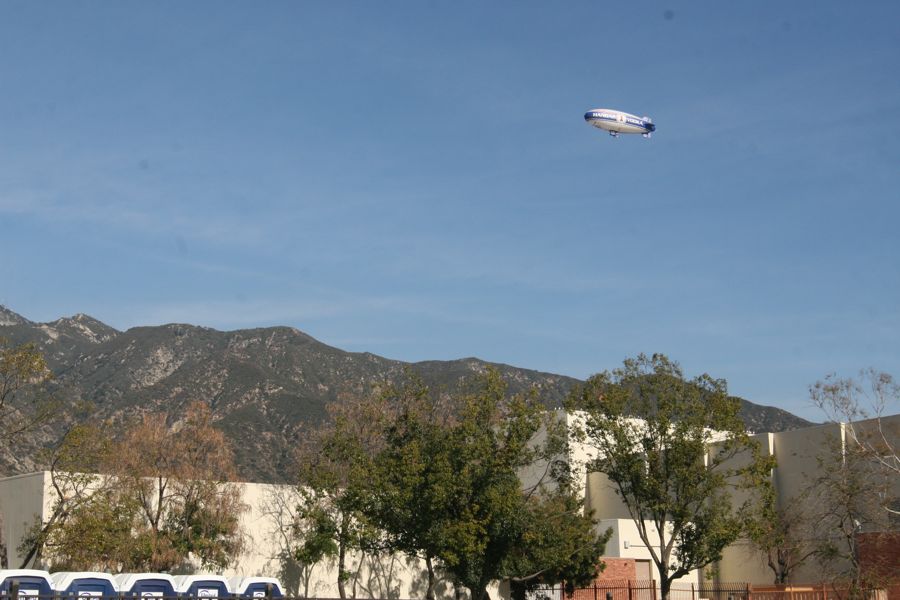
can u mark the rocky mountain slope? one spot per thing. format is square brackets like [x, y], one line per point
[267, 387]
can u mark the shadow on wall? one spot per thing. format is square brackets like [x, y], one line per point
[418, 587]
[290, 573]
[382, 578]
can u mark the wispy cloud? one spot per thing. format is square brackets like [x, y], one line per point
[98, 191]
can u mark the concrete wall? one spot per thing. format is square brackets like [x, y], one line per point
[268, 510]
[24, 497]
[22, 500]
[374, 576]
[578, 456]
[600, 496]
[799, 455]
[741, 561]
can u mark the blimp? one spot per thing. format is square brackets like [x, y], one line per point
[616, 122]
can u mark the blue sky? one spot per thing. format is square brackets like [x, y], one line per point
[416, 179]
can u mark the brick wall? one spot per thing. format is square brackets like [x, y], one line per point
[619, 569]
[879, 556]
[614, 579]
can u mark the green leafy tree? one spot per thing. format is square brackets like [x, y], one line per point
[438, 478]
[314, 530]
[559, 544]
[303, 532]
[674, 467]
[448, 489]
[781, 533]
[335, 467]
[411, 483]
[92, 533]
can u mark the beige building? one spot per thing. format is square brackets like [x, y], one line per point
[798, 454]
[24, 498]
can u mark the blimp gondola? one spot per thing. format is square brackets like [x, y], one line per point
[616, 122]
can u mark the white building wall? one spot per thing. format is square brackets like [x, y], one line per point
[626, 542]
[375, 577]
[23, 499]
[798, 454]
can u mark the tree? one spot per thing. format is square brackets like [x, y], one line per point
[335, 464]
[314, 530]
[304, 533]
[867, 397]
[163, 498]
[855, 492]
[23, 403]
[436, 477]
[446, 488]
[559, 544]
[409, 490]
[849, 494]
[180, 479]
[780, 532]
[79, 494]
[92, 532]
[675, 465]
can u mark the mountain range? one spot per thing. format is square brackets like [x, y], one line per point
[267, 387]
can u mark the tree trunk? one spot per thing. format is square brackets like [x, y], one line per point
[480, 592]
[665, 587]
[517, 590]
[665, 582]
[342, 572]
[662, 566]
[783, 569]
[342, 556]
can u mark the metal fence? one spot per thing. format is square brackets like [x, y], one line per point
[649, 590]
[645, 590]
[818, 591]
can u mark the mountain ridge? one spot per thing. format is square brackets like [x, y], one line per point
[266, 386]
